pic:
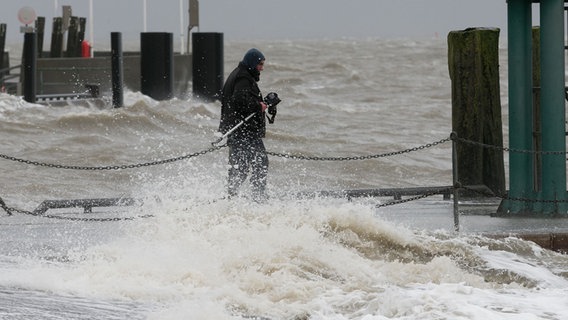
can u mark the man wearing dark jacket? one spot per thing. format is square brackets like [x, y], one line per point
[241, 97]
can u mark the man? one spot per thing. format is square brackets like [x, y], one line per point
[240, 98]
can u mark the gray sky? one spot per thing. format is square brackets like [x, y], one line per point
[276, 19]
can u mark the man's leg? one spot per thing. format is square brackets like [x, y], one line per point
[238, 168]
[259, 170]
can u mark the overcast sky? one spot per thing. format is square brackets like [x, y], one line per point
[277, 19]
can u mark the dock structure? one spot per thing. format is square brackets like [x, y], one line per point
[538, 175]
[71, 66]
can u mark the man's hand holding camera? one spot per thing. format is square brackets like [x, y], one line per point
[271, 101]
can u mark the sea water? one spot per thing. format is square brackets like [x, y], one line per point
[191, 254]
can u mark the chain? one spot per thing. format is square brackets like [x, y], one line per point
[506, 197]
[374, 156]
[489, 146]
[422, 196]
[5, 207]
[115, 167]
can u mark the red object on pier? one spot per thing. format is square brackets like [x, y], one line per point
[85, 49]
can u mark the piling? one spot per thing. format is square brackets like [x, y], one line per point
[2, 48]
[156, 65]
[81, 32]
[40, 31]
[117, 69]
[207, 65]
[56, 38]
[30, 66]
[73, 38]
[473, 58]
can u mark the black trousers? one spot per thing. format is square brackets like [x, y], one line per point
[245, 155]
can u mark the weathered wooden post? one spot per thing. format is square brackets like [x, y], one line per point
[73, 38]
[56, 38]
[81, 33]
[473, 58]
[40, 29]
[2, 47]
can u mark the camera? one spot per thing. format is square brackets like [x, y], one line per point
[271, 101]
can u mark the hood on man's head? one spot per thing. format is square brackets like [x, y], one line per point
[252, 58]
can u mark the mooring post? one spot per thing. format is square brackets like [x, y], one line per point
[40, 30]
[30, 66]
[117, 59]
[73, 38]
[473, 58]
[157, 65]
[207, 65]
[2, 47]
[56, 38]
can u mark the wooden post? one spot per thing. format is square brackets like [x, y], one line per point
[40, 30]
[56, 38]
[81, 33]
[473, 58]
[2, 47]
[73, 38]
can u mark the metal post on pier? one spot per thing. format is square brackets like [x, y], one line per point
[117, 78]
[157, 65]
[30, 66]
[207, 65]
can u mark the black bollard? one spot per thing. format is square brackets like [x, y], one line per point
[207, 65]
[116, 50]
[157, 65]
[30, 66]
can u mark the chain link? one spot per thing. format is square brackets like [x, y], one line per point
[374, 156]
[499, 148]
[114, 167]
[422, 196]
[506, 197]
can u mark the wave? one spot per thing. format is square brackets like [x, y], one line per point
[282, 260]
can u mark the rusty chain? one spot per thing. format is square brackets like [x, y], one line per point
[374, 156]
[113, 167]
[10, 210]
